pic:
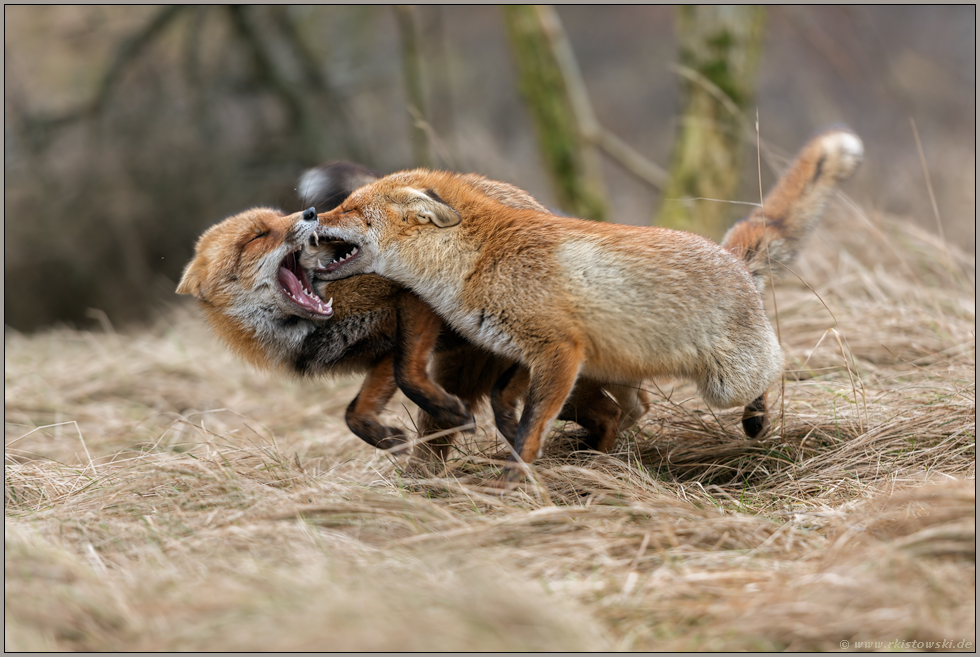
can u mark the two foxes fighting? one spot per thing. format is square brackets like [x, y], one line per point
[457, 288]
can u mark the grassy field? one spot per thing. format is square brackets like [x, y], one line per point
[159, 495]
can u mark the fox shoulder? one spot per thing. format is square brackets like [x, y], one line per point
[775, 233]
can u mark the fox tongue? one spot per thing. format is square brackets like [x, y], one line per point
[294, 287]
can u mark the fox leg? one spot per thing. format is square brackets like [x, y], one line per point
[551, 381]
[418, 330]
[755, 419]
[362, 414]
[589, 406]
[437, 449]
[508, 389]
[633, 401]
[467, 371]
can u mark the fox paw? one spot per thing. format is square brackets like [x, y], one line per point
[392, 441]
[509, 480]
[376, 434]
[456, 414]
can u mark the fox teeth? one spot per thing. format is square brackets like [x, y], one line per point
[346, 257]
[330, 303]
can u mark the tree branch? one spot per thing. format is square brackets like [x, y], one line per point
[630, 159]
[129, 50]
[588, 125]
[125, 54]
[313, 77]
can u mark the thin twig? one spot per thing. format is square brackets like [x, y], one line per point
[414, 85]
[589, 127]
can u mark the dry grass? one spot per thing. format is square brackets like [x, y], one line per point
[161, 496]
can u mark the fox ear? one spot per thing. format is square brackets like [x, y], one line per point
[428, 207]
[190, 282]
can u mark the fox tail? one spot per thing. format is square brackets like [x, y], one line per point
[328, 185]
[771, 237]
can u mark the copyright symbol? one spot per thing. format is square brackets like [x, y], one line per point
[845, 644]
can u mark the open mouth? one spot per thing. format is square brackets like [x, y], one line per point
[327, 256]
[296, 286]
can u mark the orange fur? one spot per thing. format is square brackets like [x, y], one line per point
[567, 297]
[235, 275]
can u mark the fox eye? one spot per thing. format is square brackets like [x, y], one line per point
[256, 236]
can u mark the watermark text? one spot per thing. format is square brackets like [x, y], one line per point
[907, 645]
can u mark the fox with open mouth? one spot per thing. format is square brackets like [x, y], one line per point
[258, 278]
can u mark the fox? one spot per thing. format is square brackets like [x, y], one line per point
[256, 275]
[567, 298]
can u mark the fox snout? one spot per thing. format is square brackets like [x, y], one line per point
[309, 214]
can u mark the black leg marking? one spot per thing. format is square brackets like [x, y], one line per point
[504, 414]
[755, 419]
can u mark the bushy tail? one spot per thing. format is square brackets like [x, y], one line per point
[328, 185]
[774, 234]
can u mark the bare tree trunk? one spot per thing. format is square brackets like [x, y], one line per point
[249, 28]
[719, 55]
[569, 156]
[442, 110]
[414, 90]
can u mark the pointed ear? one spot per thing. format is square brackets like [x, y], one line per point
[191, 281]
[428, 207]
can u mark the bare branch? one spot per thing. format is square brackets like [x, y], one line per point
[264, 67]
[129, 50]
[630, 159]
[578, 95]
[559, 105]
[588, 125]
[314, 78]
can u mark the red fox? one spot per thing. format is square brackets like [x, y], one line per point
[567, 298]
[255, 276]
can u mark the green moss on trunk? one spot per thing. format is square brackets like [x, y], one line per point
[720, 46]
[546, 96]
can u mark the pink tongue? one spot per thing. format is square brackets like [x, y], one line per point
[290, 282]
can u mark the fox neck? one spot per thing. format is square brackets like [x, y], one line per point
[435, 266]
[279, 336]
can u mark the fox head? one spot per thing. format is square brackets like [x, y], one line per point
[391, 213]
[257, 256]
[250, 276]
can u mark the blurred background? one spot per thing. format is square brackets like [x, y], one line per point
[129, 130]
